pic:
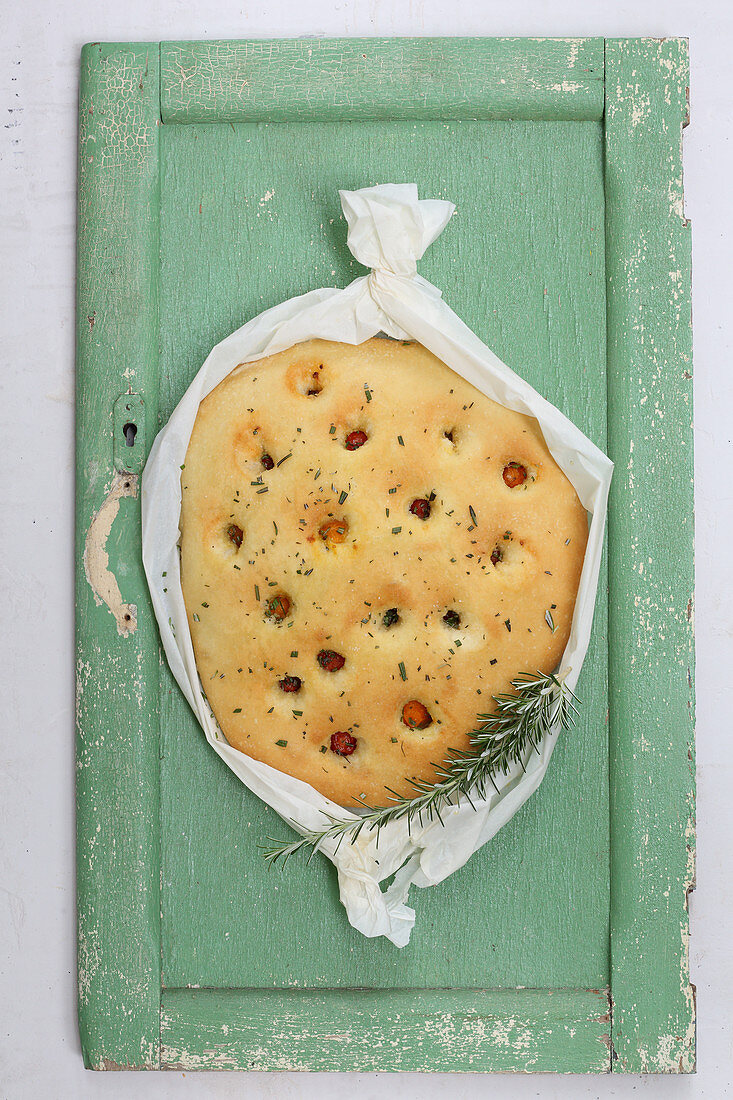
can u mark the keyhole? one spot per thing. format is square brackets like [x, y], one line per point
[130, 431]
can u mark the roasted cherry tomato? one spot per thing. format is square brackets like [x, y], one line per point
[420, 507]
[416, 716]
[334, 531]
[331, 661]
[278, 607]
[342, 743]
[514, 475]
[236, 534]
[354, 440]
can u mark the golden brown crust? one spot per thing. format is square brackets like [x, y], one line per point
[270, 579]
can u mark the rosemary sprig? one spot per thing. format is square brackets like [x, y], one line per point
[519, 722]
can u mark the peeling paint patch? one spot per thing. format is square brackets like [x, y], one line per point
[96, 559]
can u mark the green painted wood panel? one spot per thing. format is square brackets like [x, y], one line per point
[651, 535]
[382, 78]
[533, 907]
[526, 1030]
[523, 263]
[117, 657]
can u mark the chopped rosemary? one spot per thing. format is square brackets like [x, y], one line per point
[400, 440]
[284, 458]
[343, 496]
[550, 621]
[257, 592]
[396, 530]
[401, 667]
[282, 744]
[368, 392]
[472, 514]
[237, 710]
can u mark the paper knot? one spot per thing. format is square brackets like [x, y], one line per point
[390, 227]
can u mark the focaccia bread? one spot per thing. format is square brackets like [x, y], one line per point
[371, 549]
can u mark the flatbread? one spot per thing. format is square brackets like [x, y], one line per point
[371, 549]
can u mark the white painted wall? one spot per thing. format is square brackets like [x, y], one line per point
[39, 51]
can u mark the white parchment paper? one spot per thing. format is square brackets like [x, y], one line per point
[389, 230]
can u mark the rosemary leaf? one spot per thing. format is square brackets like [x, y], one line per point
[539, 706]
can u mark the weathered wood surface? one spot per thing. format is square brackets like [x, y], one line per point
[523, 263]
[117, 648]
[651, 558]
[240, 207]
[523, 1030]
[382, 78]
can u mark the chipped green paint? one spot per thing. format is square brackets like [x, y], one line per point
[651, 539]
[539, 181]
[117, 650]
[438, 1030]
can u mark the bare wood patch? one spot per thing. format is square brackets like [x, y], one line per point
[96, 559]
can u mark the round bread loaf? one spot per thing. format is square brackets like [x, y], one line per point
[371, 549]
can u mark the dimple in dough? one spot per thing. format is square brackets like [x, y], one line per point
[293, 545]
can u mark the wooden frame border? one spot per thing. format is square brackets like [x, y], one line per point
[651, 654]
[377, 78]
[117, 768]
[126, 1021]
[429, 1030]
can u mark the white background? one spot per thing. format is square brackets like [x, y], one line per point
[39, 63]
